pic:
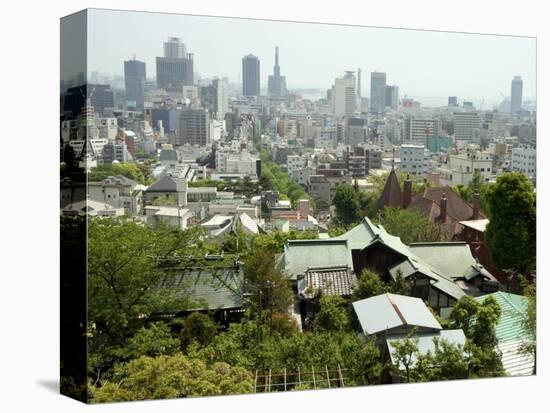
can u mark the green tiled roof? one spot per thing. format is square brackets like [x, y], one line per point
[451, 258]
[513, 307]
[208, 288]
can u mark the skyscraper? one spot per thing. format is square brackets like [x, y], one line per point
[359, 83]
[276, 84]
[194, 127]
[516, 94]
[134, 81]
[343, 95]
[251, 75]
[175, 69]
[377, 92]
[391, 98]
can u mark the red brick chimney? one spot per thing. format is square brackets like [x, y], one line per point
[443, 208]
[407, 192]
[475, 206]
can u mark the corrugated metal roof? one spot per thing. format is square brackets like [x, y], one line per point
[450, 258]
[387, 311]
[426, 341]
[515, 362]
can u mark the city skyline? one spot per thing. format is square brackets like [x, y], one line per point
[427, 66]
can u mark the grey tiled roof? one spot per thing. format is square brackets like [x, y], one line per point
[338, 280]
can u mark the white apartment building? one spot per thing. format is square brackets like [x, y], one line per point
[327, 138]
[343, 96]
[294, 162]
[466, 125]
[462, 167]
[524, 160]
[236, 163]
[414, 159]
[417, 131]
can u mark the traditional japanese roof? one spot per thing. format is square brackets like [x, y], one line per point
[337, 280]
[302, 254]
[510, 333]
[426, 341]
[451, 258]
[208, 288]
[391, 194]
[457, 208]
[387, 312]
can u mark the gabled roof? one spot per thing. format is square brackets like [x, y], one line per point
[165, 184]
[388, 311]
[457, 208]
[450, 258]
[391, 194]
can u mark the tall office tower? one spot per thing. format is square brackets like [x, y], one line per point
[465, 125]
[377, 92]
[101, 97]
[215, 98]
[391, 98]
[343, 95]
[276, 84]
[417, 131]
[194, 127]
[452, 101]
[359, 83]
[516, 94]
[175, 69]
[134, 81]
[174, 48]
[251, 75]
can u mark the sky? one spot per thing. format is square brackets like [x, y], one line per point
[428, 66]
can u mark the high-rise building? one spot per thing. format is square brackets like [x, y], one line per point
[175, 69]
[516, 94]
[214, 97]
[343, 95]
[276, 84]
[356, 132]
[359, 83]
[391, 98]
[174, 48]
[452, 101]
[101, 97]
[418, 131]
[377, 92]
[251, 75]
[134, 81]
[194, 127]
[466, 125]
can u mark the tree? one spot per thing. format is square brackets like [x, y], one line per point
[511, 232]
[165, 377]
[346, 202]
[405, 353]
[127, 262]
[478, 321]
[333, 314]
[199, 328]
[412, 226]
[369, 285]
[154, 340]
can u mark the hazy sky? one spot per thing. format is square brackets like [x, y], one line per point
[428, 66]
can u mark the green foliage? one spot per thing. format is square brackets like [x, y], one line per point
[511, 232]
[369, 285]
[168, 200]
[138, 172]
[478, 321]
[529, 324]
[155, 340]
[400, 285]
[405, 354]
[125, 267]
[165, 377]
[269, 287]
[198, 328]
[412, 226]
[476, 185]
[333, 314]
[346, 202]
[239, 346]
